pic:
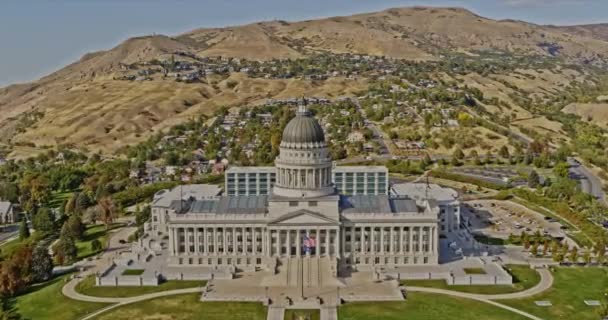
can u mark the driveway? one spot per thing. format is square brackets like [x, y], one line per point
[589, 182]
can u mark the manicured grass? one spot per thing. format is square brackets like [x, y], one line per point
[92, 232]
[523, 278]
[302, 314]
[57, 198]
[474, 271]
[571, 287]
[88, 287]
[490, 240]
[7, 249]
[187, 307]
[133, 272]
[425, 306]
[47, 302]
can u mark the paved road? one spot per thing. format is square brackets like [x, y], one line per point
[546, 281]
[589, 182]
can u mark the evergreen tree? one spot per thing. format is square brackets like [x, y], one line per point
[66, 250]
[458, 154]
[533, 179]
[44, 220]
[504, 152]
[24, 229]
[42, 264]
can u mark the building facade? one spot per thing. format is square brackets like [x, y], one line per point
[251, 181]
[8, 213]
[303, 216]
[446, 199]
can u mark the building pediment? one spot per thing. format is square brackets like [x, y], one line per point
[303, 217]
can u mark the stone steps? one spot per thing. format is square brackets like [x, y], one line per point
[275, 313]
[330, 313]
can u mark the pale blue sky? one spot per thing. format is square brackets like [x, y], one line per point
[41, 36]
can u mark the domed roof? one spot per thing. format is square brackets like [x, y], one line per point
[304, 128]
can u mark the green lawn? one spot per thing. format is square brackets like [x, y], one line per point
[425, 306]
[47, 302]
[57, 198]
[87, 287]
[92, 232]
[571, 287]
[523, 278]
[302, 314]
[474, 271]
[7, 249]
[133, 272]
[187, 307]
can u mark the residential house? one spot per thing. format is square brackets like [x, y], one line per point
[8, 213]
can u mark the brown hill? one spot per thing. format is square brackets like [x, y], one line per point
[596, 31]
[412, 33]
[81, 104]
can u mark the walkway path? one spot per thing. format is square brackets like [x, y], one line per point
[275, 313]
[124, 301]
[546, 281]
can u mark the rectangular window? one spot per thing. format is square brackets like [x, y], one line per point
[312, 203]
[293, 203]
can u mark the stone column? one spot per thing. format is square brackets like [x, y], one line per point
[206, 240]
[362, 239]
[197, 245]
[187, 240]
[215, 242]
[254, 240]
[401, 239]
[382, 240]
[327, 242]
[278, 242]
[392, 239]
[435, 241]
[298, 243]
[337, 243]
[172, 241]
[288, 243]
[317, 242]
[373, 240]
[420, 241]
[343, 243]
[410, 244]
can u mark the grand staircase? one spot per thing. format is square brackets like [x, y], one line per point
[311, 272]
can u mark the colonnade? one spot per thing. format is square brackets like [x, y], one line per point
[289, 242]
[306, 178]
[370, 240]
[217, 240]
[390, 239]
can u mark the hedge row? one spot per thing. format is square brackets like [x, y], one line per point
[466, 179]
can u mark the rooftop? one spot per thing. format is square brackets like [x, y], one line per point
[360, 169]
[227, 204]
[418, 191]
[165, 198]
[377, 204]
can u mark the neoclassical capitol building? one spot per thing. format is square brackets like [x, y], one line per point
[298, 213]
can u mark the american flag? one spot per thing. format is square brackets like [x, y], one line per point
[309, 243]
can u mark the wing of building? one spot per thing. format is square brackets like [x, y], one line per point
[304, 206]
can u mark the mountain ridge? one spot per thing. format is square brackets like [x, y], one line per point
[414, 33]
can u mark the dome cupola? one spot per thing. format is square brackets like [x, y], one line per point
[303, 131]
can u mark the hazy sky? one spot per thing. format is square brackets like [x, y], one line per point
[38, 37]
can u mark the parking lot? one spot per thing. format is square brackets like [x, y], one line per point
[499, 219]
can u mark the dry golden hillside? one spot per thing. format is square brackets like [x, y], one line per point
[597, 31]
[105, 115]
[82, 105]
[413, 33]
